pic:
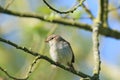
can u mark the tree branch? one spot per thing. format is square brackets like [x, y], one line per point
[105, 15]
[100, 21]
[96, 51]
[64, 12]
[103, 12]
[106, 31]
[45, 58]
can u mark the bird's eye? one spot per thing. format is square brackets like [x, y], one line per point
[52, 38]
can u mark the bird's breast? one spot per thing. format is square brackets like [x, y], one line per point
[60, 53]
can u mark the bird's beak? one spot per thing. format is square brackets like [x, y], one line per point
[46, 41]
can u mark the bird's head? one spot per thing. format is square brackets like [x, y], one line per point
[52, 39]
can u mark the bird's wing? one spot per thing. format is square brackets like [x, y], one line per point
[73, 57]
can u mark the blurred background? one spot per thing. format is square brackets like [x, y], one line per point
[31, 33]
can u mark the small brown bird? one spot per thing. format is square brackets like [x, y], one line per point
[60, 50]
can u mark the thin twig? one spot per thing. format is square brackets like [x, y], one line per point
[88, 11]
[10, 75]
[45, 58]
[113, 9]
[64, 12]
[32, 65]
[8, 4]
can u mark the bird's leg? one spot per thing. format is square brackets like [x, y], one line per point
[71, 67]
